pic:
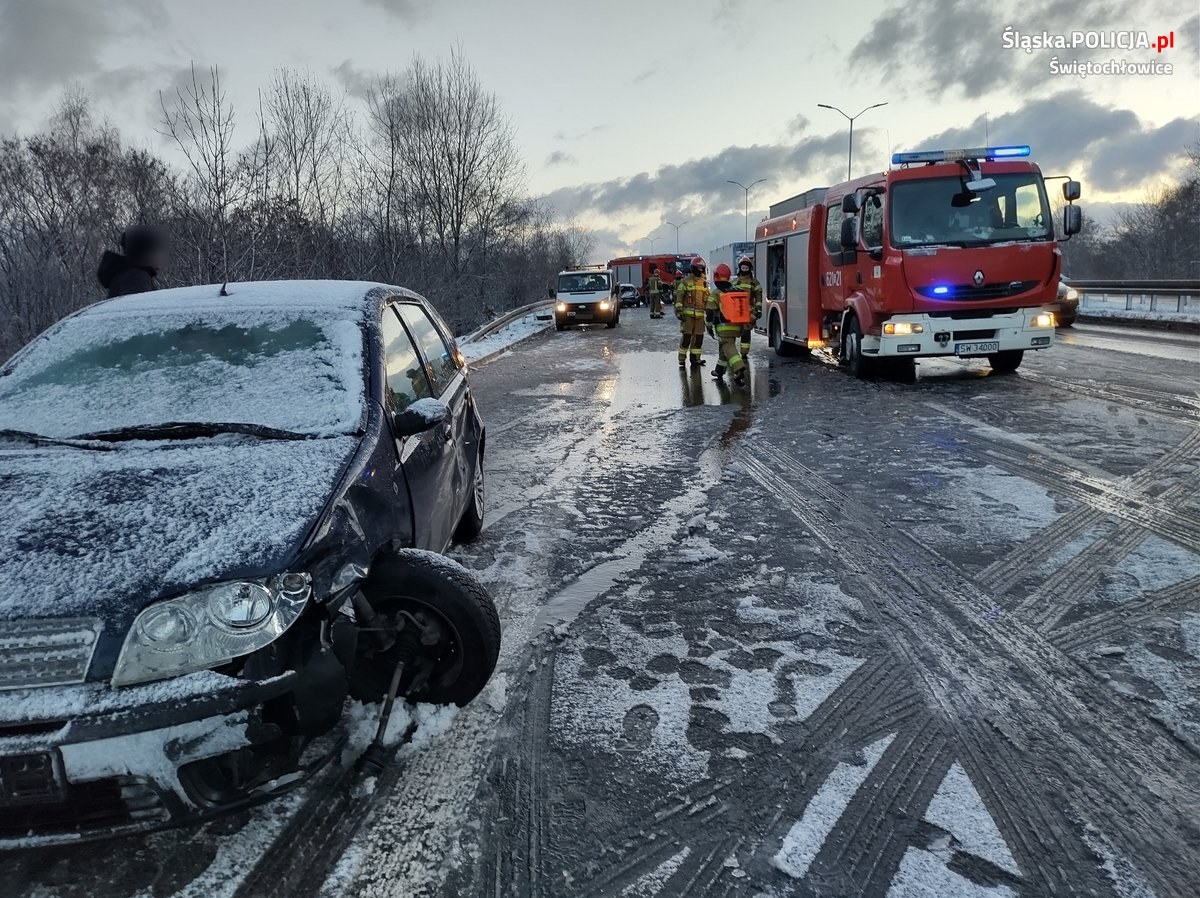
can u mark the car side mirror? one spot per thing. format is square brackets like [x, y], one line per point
[1072, 220]
[1070, 191]
[849, 233]
[420, 416]
[850, 204]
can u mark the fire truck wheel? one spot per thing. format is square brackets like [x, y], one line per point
[856, 364]
[1006, 362]
[781, 347]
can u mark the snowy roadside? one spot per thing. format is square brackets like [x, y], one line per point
[1155, 319]
[487, 348]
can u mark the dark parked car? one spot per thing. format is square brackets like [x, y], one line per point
[218, 520]
[1066, 305]
[629, 296]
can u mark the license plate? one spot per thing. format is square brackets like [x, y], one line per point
[31, 779]
[976, 348]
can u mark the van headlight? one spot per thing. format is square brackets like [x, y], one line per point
[209, 627]
[1071, 295]
[562, 307]
[604, 305]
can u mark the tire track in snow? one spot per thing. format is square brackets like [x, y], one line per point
[1101, 756]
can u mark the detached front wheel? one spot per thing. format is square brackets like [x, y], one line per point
[459, 629]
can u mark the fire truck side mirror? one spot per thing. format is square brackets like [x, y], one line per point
[1070, 191]
[850, 204]
[1072, 220]
[550, 292]
[850, 233]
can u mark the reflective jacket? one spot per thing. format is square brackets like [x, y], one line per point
[691, 297]
[754, 288]
[654, 284]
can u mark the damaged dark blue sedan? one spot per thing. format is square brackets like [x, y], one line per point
[221, 513]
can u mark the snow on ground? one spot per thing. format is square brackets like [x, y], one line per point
[987, 504]
[957, 808]
[926, 874]
[1126, 880]
[592, 707]
[651, 884]
[503, 338]
[1155, 564]
[804, 840]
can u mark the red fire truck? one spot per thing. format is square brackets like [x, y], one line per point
[635, 270]
[950, 253]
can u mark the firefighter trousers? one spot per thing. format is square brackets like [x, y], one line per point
[728, 355]
[655, 305]
[691, 330]
[745, 346]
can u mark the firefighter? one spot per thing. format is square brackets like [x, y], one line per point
[726, 332]
[747, 283]
[654, 289]
[691, 300]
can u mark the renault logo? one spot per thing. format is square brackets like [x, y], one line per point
[978, 278]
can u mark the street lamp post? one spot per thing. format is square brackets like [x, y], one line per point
[850, 118]
[746, 237]
[651, 239]
[676, 227]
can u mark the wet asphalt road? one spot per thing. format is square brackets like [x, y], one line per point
[814, 637]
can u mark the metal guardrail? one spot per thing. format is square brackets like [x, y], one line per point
[504, 320]
[1181, 297]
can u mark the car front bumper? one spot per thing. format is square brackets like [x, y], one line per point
[90, 761]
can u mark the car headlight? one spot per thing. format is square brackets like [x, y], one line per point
[562, 307]
[903, 328]
[209, 627]
[1072, 294]
[1042, 319]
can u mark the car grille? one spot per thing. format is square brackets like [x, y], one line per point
[46, 652]
[968, 292]
[88, 807]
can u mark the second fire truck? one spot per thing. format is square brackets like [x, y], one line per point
[950, 253]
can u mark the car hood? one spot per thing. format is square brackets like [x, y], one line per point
[104, 533]
[584, 296]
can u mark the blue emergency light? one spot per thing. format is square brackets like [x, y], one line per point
[956, 155]
[941, 291]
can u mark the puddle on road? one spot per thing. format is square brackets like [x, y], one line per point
[652, 382]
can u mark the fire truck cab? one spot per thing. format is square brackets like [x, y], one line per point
[950, 253]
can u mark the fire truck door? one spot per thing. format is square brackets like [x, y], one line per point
[797, 285]
[836, 264]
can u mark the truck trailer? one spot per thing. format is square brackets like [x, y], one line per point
[949, 253]
[729, 254]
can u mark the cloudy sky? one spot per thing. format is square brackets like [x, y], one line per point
[631, 113]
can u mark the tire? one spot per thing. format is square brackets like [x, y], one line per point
[613, 322]
[1067, 322]
[782, 347]
[1006, 362]
[424, 583]
[856, 364]
[470, 525]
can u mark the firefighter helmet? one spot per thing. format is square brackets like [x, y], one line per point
[699, 266]
[722, 273]
[747, 263]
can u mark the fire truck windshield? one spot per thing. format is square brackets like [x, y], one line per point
[940, 211]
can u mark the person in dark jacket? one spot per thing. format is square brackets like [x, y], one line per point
[134, 269]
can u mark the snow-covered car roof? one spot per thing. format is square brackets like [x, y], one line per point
[314, 294]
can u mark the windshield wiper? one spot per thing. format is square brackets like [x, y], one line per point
[186, 430]
[41, 439]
